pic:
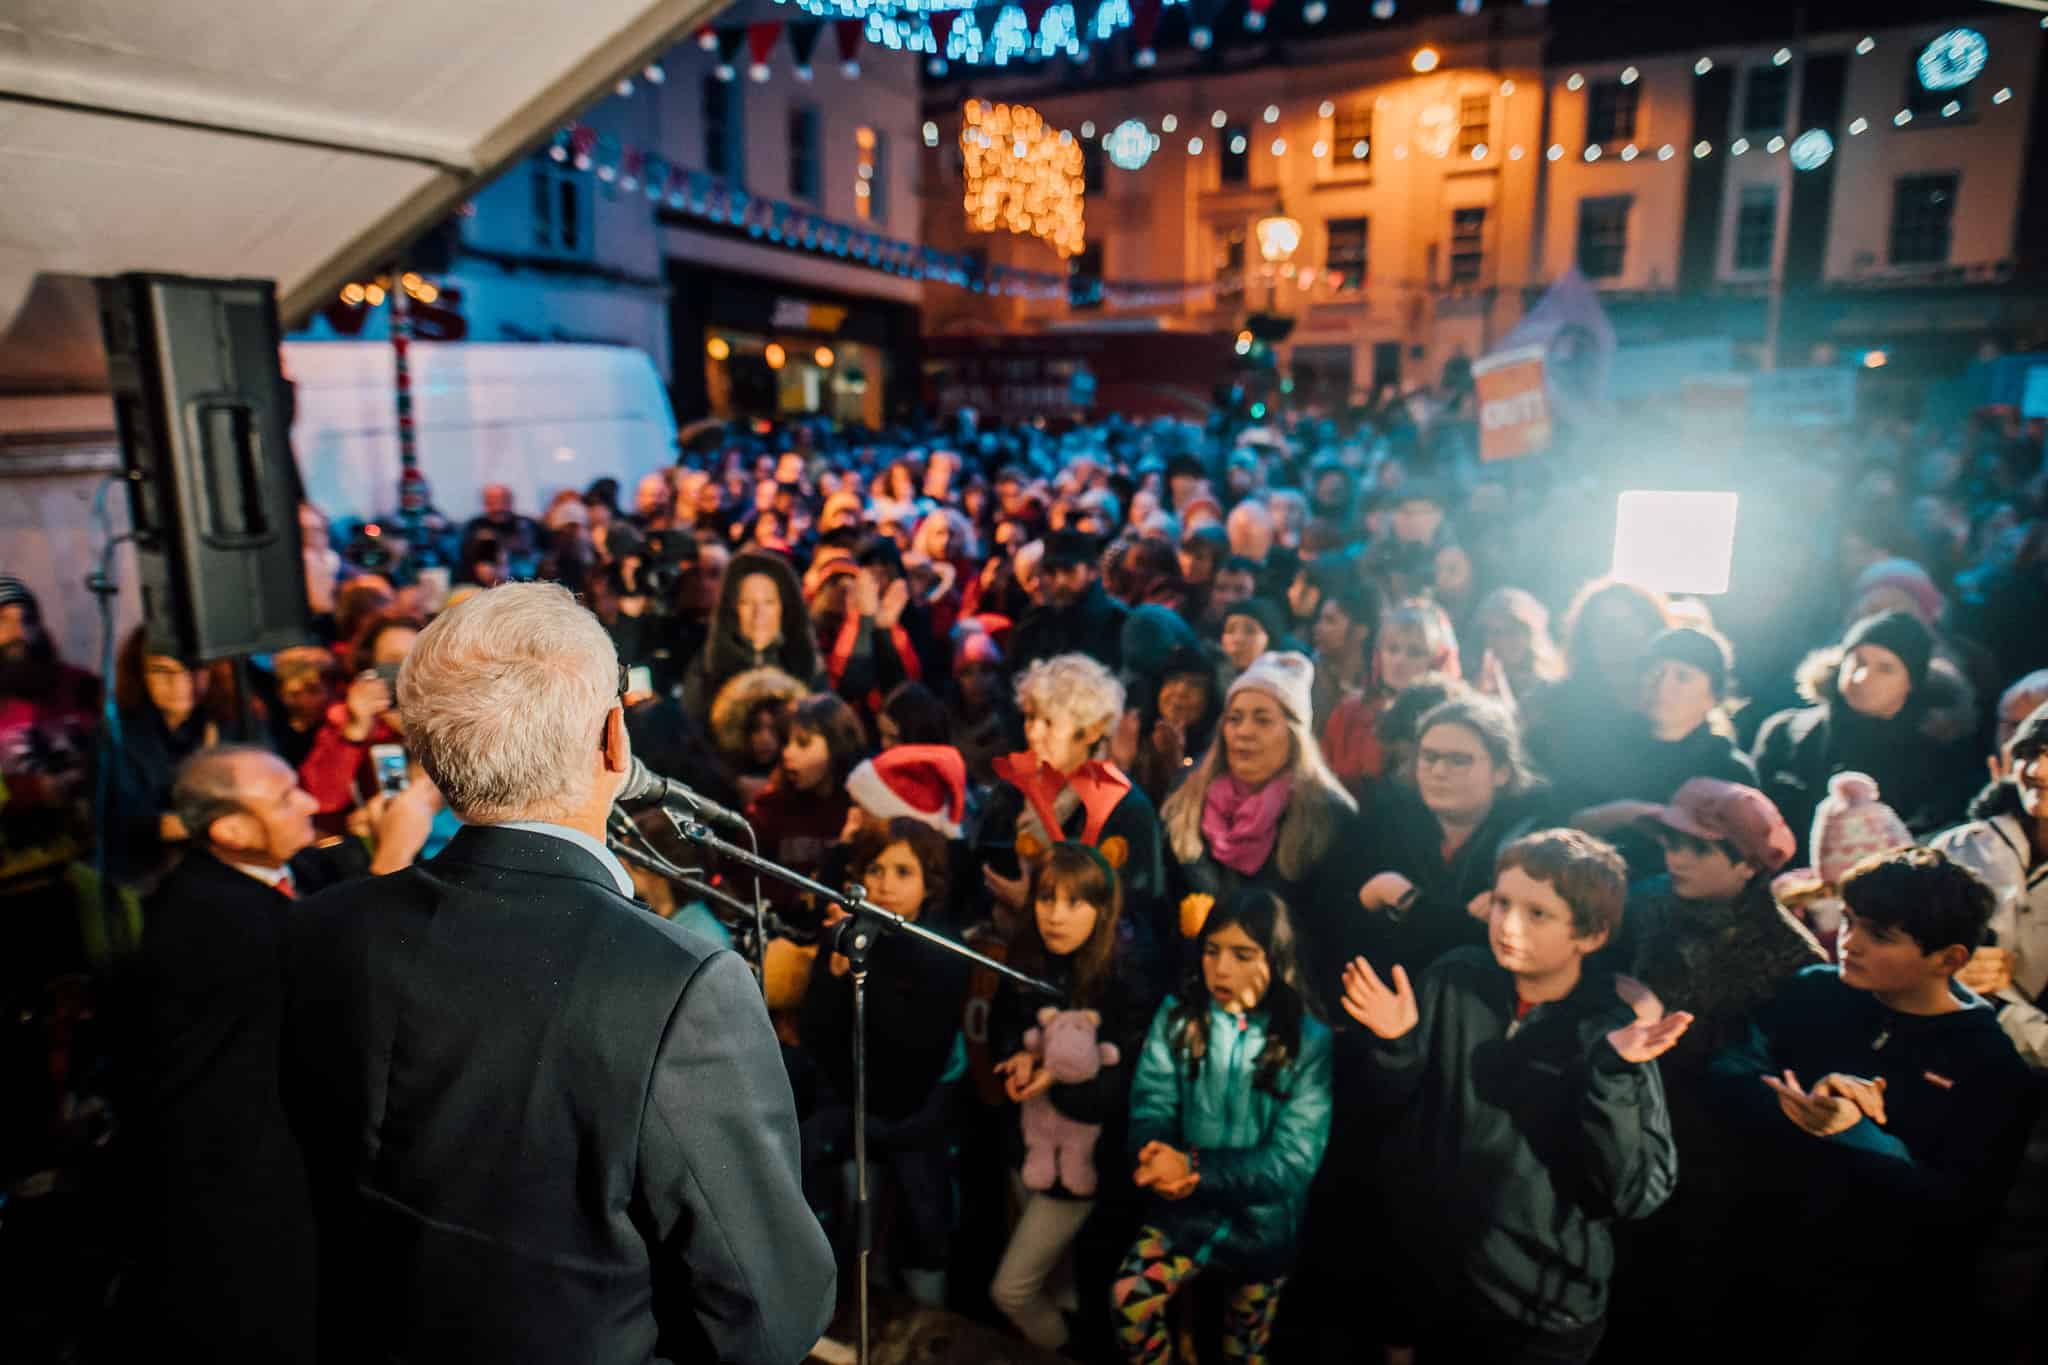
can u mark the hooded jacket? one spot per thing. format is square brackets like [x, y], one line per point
[1518, 1143]
[1924, 777]
[726, 653]
[1259, 1149]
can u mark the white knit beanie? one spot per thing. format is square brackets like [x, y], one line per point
[1288, 677]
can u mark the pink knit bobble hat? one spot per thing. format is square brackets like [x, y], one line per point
[1850, 824]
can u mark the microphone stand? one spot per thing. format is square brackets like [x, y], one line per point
[857, 935]
[622, 830]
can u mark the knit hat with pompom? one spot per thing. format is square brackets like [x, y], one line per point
[1850, 824]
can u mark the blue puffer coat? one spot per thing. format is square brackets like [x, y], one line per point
[1259, 1150]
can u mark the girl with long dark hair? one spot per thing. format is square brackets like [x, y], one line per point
[1074, 938]
[1230, 1112]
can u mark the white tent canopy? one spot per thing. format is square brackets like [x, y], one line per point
[294, 140]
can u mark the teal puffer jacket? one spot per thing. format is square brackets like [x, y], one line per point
[1259, 1150]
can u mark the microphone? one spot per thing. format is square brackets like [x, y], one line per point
[644, 787]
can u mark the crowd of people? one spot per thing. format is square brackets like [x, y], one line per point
[1461, 953]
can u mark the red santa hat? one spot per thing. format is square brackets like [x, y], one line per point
[926, 782]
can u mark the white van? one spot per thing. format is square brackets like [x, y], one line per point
[538, 418]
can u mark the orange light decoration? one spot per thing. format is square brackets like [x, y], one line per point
[774, 355]
[1023, 176]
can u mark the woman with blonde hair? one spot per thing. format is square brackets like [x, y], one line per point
[1262, 808]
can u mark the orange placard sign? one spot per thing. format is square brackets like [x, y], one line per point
[1514, 414]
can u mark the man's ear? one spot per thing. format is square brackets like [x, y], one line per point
[238, 832]
[617, 750]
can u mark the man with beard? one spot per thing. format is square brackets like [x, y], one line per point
[1078, 616]
[48, 716]
[47, 720]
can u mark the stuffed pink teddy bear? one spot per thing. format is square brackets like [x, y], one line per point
[1056, 1146]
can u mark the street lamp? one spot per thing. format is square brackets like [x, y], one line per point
[1279, 237]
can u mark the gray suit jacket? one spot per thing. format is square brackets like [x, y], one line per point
[542, 1124]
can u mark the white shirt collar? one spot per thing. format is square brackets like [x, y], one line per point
[269, 876]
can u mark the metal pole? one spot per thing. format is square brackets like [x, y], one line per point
[863, 1219]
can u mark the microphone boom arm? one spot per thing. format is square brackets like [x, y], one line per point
[855, 900]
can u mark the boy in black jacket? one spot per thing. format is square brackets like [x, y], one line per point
[1889, 1110]
[1531, 1113]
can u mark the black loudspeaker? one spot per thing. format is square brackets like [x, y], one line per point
[204, 416]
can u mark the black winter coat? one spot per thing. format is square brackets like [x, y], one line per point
[1093, 626]
[915, 993]
[1126, 1003]
[1316, 901]
[1926, 780]
[1402, 835]
[1517, 1144]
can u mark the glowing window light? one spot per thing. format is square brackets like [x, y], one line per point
[1675, 542]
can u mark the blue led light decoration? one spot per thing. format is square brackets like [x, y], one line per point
[1129, 145]
[1811, 150]
[1953, 60]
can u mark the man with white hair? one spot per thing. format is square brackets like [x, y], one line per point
[540, 1122]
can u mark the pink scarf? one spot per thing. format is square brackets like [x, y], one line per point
[1239, 826]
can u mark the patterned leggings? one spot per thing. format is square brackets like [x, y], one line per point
[1152, 1273]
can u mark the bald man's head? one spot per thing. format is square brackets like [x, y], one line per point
[244, 803]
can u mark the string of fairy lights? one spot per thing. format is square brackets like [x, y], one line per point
[1023, 175]
[1949, 64]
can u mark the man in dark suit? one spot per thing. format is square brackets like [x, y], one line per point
[541, 1123]
[224, 1264]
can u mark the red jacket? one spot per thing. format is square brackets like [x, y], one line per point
[333, 771]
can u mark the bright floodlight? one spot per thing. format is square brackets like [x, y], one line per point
[1675, 542]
